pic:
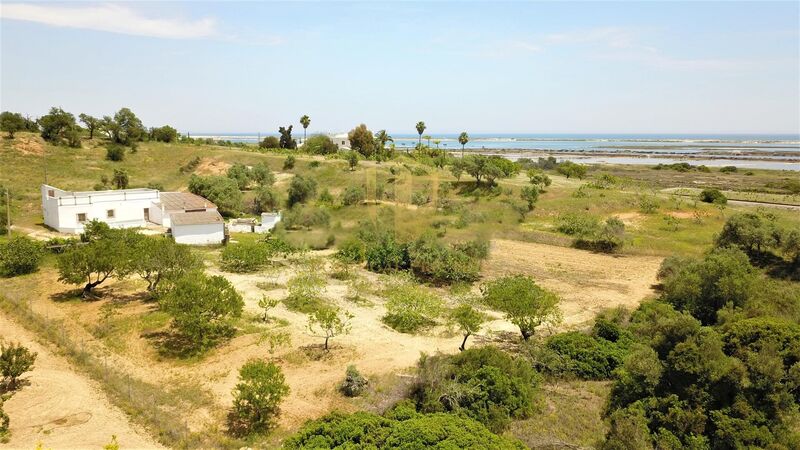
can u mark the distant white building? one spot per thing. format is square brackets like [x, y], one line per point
[68, 211]
[268, 222]
[341, 140]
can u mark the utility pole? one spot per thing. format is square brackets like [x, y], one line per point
[8, 213]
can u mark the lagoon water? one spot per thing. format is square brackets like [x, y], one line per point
[776, 151]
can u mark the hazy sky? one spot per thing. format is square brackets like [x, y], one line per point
[655, 67]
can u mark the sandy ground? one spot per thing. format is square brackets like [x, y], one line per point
[210, 166]
[61, 408]
[588, 282]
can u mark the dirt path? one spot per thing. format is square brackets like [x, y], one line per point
[587, 282]
[62, 408]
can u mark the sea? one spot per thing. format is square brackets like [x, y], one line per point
[765, 151]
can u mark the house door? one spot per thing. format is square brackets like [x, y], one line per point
[147, 214]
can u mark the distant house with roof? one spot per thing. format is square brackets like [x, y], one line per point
[191, 218]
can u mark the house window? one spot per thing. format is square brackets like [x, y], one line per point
[81, 217]
[51, 193]
[110, 214]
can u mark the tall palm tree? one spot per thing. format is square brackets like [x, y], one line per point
[463, 138]
[420, 129]
[427, 137]
[382, 138]
[305, 121]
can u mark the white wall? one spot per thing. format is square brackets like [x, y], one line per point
[61, 210]
[204, 234]
[268, 221]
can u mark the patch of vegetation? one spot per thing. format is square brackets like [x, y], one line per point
[256, 398]
[411, 308]
[714, 196]
[526, 304]
[354, 383]
[20, 256]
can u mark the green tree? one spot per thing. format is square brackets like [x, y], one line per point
[352, 160]
[120, 179]
[125, 128]
[164, 134]
[92, 123]
[750, 232]
[11, 123]
[305, 121]
[158, 259]
[420, 129]
[714, 196]
[538, 178]
[256, 397]
[270, 142]
[530, 194]
[58, 127]
[526, 304]
[569, 169]
[463, 138]
[469, 321]
[353, 195]
[202, 308]
[222, 191]
[410, 308]
[261, 174]
[286, 141]
[266, 199]
[301, 189]
[103, 257]
[381, 138]
[240, 174]
[115, 152]
[329, 322]
[15, 360]
[19, 256]
[362, 140]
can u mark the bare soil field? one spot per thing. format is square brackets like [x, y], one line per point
[62, 408]
[588, 282]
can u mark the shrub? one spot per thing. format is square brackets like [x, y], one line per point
[261, 174]
[478, 249]
[469, 321]
[256, 397]
[401, 427]
[244, 257]
[648, 204]
[289, 162]
[589, 357]
[420, 198]
[164, 134]
[434, 261]
[115, 152]
[15, 360]
[19, 256]
[240, 174]
[329, 322]
[202, 308]
[266, 199]
[353, 195]
[351, 251]
[319, 144]
[305, 290]
[410, 308]
[4, 424]
[607, 239]
[728, 169]
[383, 252]
[191, 165]
[531, 195]
[222, 191]
[485, 384]
[713, 196]
[354, 383]
[574, 224]
[305, 217]
[750, 232]
[569, 169]
[301, 190]
[270, 142]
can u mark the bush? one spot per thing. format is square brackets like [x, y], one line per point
[191, 165]
[353, 195]
[713, 196]
[574, 224]
[588, 357]
[485, 384]
[256, 397]
[383, 252]
[401, 427]
[266, 199]
[164, 134]
[305, 217]
[410, 308]
[478, 249]
[222, 191]
[607, 239]
[569, 169]
[301, 190]
[115, 152]
[420, 198]
[240, 174]
[4, 424]
[354, 384]
[244, 257]
[434, 261]
[202, 308]
[319, 144]
[526, 304]
[351, 251]
[15, 360]
[728, 169]
[19, 256]
[270, 142]
[289, 162]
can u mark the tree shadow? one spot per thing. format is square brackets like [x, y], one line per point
[11, 389]
[68, 296]
[171, 343]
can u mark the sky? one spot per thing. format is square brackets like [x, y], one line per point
[523, 67]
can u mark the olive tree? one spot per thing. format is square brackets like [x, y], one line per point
[91, 264]
[468, 320]
[11, 122]
[156, 259]
[15, 360]
[328, 322]
[19, 256]
[526, 304]
[256, 397]
[202, 308]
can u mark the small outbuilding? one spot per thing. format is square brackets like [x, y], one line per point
[198, 227]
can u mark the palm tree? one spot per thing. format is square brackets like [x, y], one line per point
[382, 138]
[420, 129]
[463, 138]
[427, 137]
[305, 121]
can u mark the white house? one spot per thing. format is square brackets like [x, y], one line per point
[198, 227]
[268, 222]
[200, 222]
[341, 140]
[68, 211]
